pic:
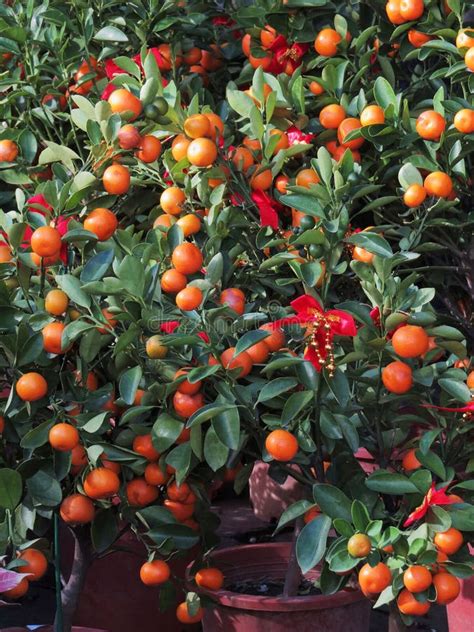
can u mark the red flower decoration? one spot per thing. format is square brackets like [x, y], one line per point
[286, 57]
[433, 497]
[468, 408]
[112, 70]
[169, 326]
[107, 91]
[321, 327]
[268, 208]
[296, 136]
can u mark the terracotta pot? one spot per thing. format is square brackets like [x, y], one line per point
[270, 499]
[461, 611]
[366, 460]
[234, 612]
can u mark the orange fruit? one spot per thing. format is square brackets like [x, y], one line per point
[178, 492]
[430, 125]
[408, 604]
[268, 36]
[36, 564]
[155, 573]
[186, 405]
[465, 38]
[101, 483]
[63, 437]
[414, 196]
[246, 43]
[155, 349]
[179, 147]
[122, 101]
[154, 475]
[417, 579]
[173, 281]
[102, 222]
[210, 578]
[345, 127]
[261, 62]
[449, 541]
[361, 254]
[392, 9]
[183, 616]
[172, 200]
[316, 88]
[326, 42]
[281, 445]
[187, 258]
[116, 179]
[470, 380]
[19, 590]
[331, 116]
[372, 115]
[77, 509]
[185, 386]
[411, 9]
[242, 362]
[281, 183]
[216, 125]
[259, 352]
[45, 241]
[189, 298]
[139, 493]
[261, 179]
[242, 158]
[149, 149]
[410, 341]
[8, 150]
[56, 302]
[438, 184]
[180, 510]
[447, 588]
[306, 178]
[164, 220]
[359, 545]
[143, 444]
[190, 224]
[128, 137]
[110, 320]
[233, 298]
[410, 462]
[52, 333]
[464, 121]
[283, 142]
[276, 340]
[374, 579]
[311, 514]
[31, 387]
[5, 254]
[469, 59]
[202, 152]
[192, 56]
[417, 38]
[197, 126]
[397, 377]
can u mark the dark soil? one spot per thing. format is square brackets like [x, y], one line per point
[271, 588]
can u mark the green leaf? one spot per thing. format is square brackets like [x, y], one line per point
[180, 536]
[311, 543]
[38, 436]
[360, 516]
[409, 175]
[208, 412]
[104, 530]
[295, 404]
[128, 384]
[72, 287]
[227, 427]
[372, 242]
[94, 424]
[432, 462]
[332, 501]
[44, 489]
[249, 339]
[97, 266]
[390, 483]
[384, 94]
[166, 430]
[215, 452]
[456, 389]
[276, 387]
[11, 488]
[295, 510]
[110, 34]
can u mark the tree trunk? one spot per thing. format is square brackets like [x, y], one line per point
[395, 623]
[72, 591]
[293, 573]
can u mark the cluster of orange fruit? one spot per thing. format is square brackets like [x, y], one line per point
[408, 341]
[35, 564]
[416, 578]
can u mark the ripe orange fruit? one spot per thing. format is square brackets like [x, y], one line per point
[197, 126]
[128, 137]
[183, 616]
[417, 38]
[45, 241]
[331, 116]
[242, 362]
[116, 179]
[149, 149]
[430, 125]
[202, 152]
[261, 62]
[410, 462]
[374, 579]
[216, 125]
[154, 475]
[326, 42]
[187, 405]
[77, 509]
[210, 578]
[155, 349]
[417, 579]
[253, 144]
[190, 224]
[78, 453]
[185, 386]
[359, 545]
[438, 184]
[143, 444]
[36, 564]
[261, 179]
[464, 121]
[410, 341]
[345, 127]
[316, 88]
[268, 36]
[101, 483]
[281, 183]
[178, 492]
[408, 604]
[8, 150]
[188, 299]
[187, 258]
[465, 38]
[102, 222]
[447, 588]
[449, 541]
[139, 493]
[164, 220]
[179, 147]
[5, 254]
[19, 590]
[306, 178]
[233, 298]
[469, 59]
[180, 511]
[242, 158]
[110, 320]
[276, 340]
[259, 352]
[52, 333]
[392, 9]
[155, 573]
[123, 102]
[397, 377]
[173, 281]
[172, 200]
[414, 196]
[470, 380]
[63, 437]
[92, 383]
[281, 445]
[56, 302]
[372, 115]
[192, 56]
[31, 387]
[311, 514]
[283, 142]
[411, 9]
[361, 254]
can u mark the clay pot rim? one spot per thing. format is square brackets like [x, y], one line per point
[231, 599]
